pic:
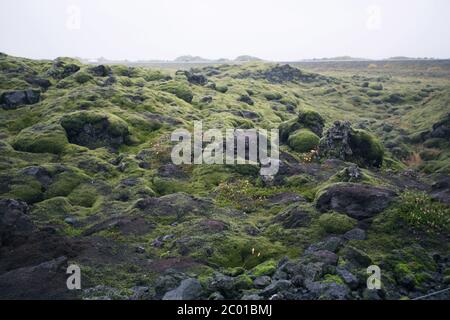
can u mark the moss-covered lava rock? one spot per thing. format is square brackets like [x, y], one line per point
[95, 129]
[41, 138]
[303, 140]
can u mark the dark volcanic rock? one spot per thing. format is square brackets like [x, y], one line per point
[293, 217]
[359, 201]
[40, 82]
[44, 281]
[197, 79]
[336, 142]
[276, 287]
[441, 129]
[95, 130]
[441, 190]
[126, 225]
[206, 99]
[13, 99]
[15, 225]
[332, 244]
[171, 170]
[323, 256]
[356, 256]
[343, 142]
[285, 198]
[189, 289]
[100, 71]
[355, 234]
[175, 205]
[281, 74]
[61, 69]
[246, 99]
[245, 114]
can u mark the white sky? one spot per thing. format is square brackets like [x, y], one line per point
[270, 29]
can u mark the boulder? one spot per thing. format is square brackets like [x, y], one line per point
[246, 99]
[306, 119]
[293, 217]
[281, 74]
[332, 244]
[343, 142]
[10, 100]
[189, 289]
[355, 234]
[206, 99]
[358, 201]
[15, 224]
[95, 130]
[40, 82]
[349, 278]
[440, 190]
[276, 287]
[100, 71]
[441, 129]
[44, 281]
[41, 138]
[197, 79]
[262, 281]
[323, 256]
[356, 256]
[176, 205]
[62, 68]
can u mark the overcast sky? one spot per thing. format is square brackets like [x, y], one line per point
[270, 29]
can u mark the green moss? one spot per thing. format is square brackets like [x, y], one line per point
[222, 88]
[84, 195]
[104, 128]
[240, 251]
[272, 96]
[266, 268]
[243, 282]
[303, 141]
[164, 186]
[55, 209]
[336, 223]
[65, 183]
[306, 119]
[332, 278]
[298, 180]
[367, 150]
[28, 190]
[82, 77]
[403, 271]
[41, 139]
[179, 89]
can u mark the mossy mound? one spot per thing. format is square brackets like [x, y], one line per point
[266, 268]
[343, 142]
[303, 140]
[336, 223]
[95, 129]
[63, 67]
[179, 89]
[306, 119]
[82, 77]
[41, 138]
[366, 148]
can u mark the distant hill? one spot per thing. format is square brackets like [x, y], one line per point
[408, 58]
[246, 58]
[340, 58]
[189, 58]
